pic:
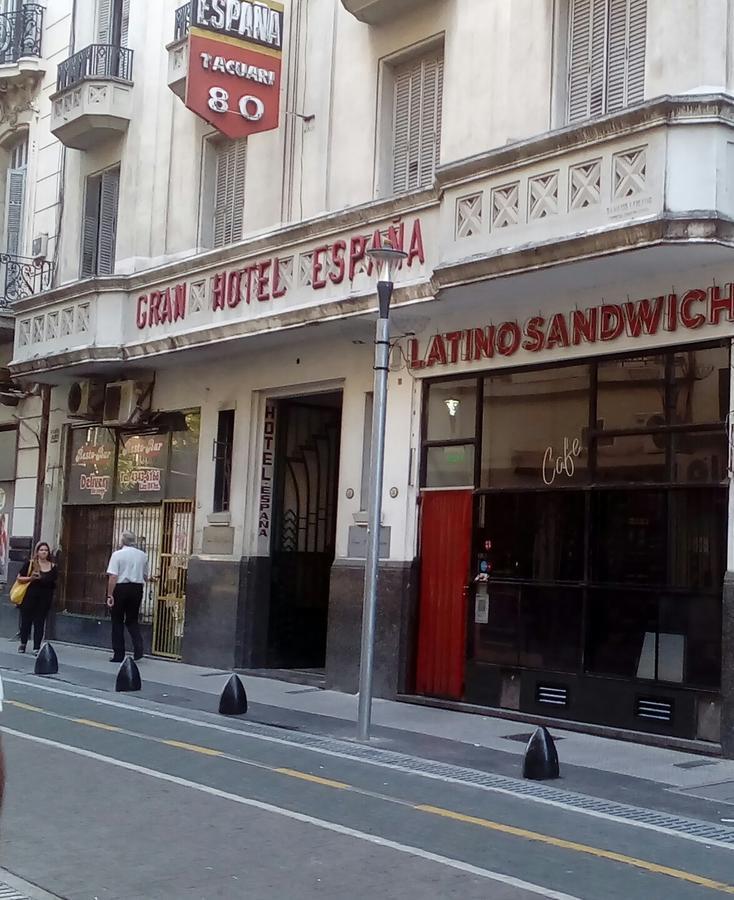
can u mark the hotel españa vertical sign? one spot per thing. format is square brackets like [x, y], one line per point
[235, 52]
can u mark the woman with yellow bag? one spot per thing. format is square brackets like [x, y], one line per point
[40, 581]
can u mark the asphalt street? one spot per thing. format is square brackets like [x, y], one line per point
[113, 796]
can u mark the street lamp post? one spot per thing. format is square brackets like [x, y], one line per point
[387, 261]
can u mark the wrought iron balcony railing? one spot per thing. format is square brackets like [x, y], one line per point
[95, 61]
[183, 22]
[20, 33]
[22, 277]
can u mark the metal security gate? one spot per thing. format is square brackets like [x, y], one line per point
[173, 559]
[145, 524]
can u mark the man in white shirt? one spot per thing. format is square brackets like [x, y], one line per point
[127, 572]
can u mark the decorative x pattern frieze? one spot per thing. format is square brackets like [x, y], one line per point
[305, 269]
[469, 216]
[506, 205]
[197, 296]
[82, 318]
[584, 188]
[67, 321]
[543, 196]
[630, 173]
[285, 273]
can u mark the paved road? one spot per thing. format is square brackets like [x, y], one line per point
[113, 797]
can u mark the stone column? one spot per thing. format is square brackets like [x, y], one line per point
[727, 664]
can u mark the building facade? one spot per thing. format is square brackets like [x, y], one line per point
[207, 182]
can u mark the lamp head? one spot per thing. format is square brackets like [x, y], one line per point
[387, 261]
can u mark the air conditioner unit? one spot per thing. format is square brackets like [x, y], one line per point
[126, 402]
[85, 399]
[39, 247]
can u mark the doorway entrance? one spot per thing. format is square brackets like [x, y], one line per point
[304, 527]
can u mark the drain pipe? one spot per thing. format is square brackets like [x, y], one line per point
[41, 468]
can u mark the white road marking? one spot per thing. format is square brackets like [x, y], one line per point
[447, 779]
[298, 817]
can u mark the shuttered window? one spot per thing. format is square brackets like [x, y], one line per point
[15, 198]
[113, 17]
[606, 59]
[99, 232]
[229, 191]
[417, 122]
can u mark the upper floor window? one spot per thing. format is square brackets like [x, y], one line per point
[606, 56]
[223, 192]
[15, 186]
[99, 232]
[113, 17]
[416, 143]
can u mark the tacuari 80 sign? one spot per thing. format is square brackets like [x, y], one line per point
[235, 51]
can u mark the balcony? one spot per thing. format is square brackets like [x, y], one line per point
[178, 51]
[20, 41]
[20, 277]
[377, 12]
[93, 98]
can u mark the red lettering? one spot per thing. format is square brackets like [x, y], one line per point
[317, 267]
[414, 354]
[534, 334]
[697, 319]
[278, 291]
[263, 281]
[719, 304]
[141, 316]
[396, 236]
[583, 325]
[558, 332]
[671, 313]
[153, 308]
[357, 251]
[643, 316]
[612, 322]
[219, 286]
[436, 352]
[483, 341]
[468, 339]
[179, 302]
[336, 275]
[508, 338]
[234, 288]
[166, 310]
[416, 244]
[453, 339]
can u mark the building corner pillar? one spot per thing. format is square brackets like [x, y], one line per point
[727, 668]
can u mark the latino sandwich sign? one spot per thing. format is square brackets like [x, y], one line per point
[235, 53]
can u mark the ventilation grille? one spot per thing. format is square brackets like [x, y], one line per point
[654, 709]
[551, 696]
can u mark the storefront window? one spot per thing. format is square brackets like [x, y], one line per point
[601, 512]
[452, 410]
[141, 468]
[631, 393]
[450, 466]
[184, 458]
[535, 428]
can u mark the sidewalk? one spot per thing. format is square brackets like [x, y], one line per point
[671, 768]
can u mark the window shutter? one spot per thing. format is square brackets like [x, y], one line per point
[109, 195]
[125, 23]
[90, 228]
[104, 21]
[229, 191]
[14, 210]
[636, 51]
[401, 131]
[579, 60]
[418, 96]
[617, 58]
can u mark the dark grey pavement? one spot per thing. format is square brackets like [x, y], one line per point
[118, 796]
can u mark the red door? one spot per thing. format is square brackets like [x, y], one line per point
[446, 518]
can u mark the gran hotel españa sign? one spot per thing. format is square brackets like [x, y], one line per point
[235, 52]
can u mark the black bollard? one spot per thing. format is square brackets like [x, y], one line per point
[47, 663]
[128, 678]
[233, 701]
[541, 758]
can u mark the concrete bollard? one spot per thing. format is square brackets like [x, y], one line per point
[233, 701]
[541, 757]
[47, 663]
[128, 678]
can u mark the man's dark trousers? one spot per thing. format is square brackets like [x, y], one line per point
[125, 610]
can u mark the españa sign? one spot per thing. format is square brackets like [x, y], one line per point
[235, 50]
